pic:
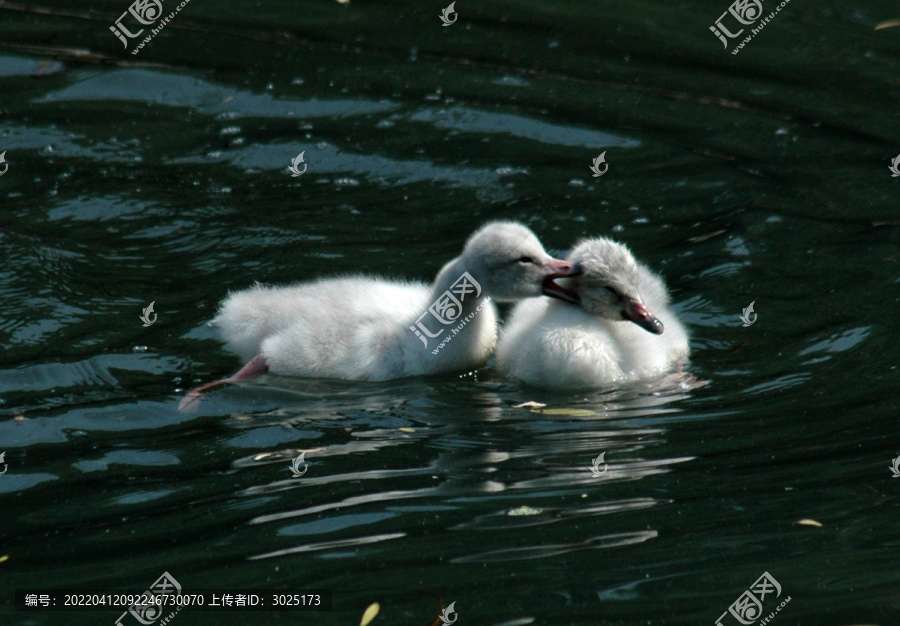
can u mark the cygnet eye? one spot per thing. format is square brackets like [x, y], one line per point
[612, 290]
[526, 259]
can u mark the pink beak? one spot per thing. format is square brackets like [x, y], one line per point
[561, 269]
[638, 313]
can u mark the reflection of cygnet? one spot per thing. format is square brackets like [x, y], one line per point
[610, 337]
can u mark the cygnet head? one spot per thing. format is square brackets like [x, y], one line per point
[608, 288]
[510, 263]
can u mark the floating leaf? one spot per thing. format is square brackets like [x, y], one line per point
[887, 24]
[530, 405]
[406, 429]
[4, 558]
[370, 614]
[571, 412]
[808, 522]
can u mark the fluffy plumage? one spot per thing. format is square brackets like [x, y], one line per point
[622, 331]
[359, 328]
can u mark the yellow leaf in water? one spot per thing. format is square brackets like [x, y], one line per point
[4, 558]
[571, 412]
[406, 429]
[887, 24]
[370, 614]
[531, 404]
[809, 522]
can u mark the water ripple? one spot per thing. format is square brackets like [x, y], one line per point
[542, 551]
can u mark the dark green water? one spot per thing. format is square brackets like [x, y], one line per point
[162, 176]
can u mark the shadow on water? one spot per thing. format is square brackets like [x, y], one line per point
[163, 177]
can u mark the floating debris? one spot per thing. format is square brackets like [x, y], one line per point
[370, 614]
[524, 510]
[808, 522]
[570, 412]
[700, 238]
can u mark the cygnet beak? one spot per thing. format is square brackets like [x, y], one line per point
[561, 269]
[636, 312]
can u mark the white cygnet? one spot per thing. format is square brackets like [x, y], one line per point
[613, 335]
[362, 328]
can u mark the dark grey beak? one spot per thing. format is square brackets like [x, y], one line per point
[636, 312]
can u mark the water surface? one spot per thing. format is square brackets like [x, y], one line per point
[162, 176]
